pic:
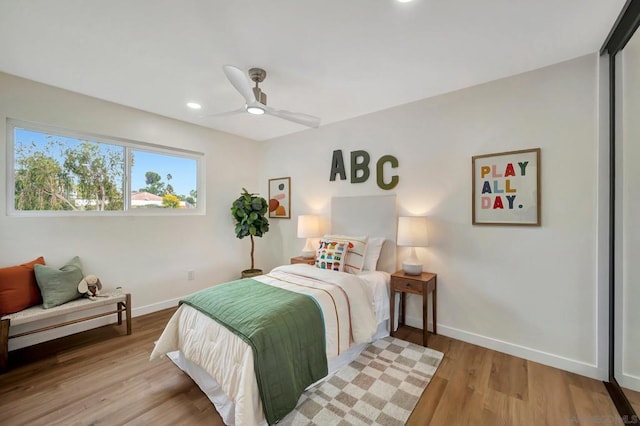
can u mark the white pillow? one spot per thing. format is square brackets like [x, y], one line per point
[372, 253]
[355, 253]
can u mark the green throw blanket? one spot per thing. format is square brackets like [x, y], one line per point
[285, 330]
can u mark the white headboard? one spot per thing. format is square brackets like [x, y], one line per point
[374, 216]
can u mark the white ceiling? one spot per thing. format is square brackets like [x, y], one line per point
[335, 59]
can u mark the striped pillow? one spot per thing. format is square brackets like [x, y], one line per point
[355, 254]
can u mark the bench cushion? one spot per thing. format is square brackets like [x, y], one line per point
[37, 313]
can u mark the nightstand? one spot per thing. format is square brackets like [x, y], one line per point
[422, 284]
[300, 259]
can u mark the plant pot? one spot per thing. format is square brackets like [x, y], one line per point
[248, 273]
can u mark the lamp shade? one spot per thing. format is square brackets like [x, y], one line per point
[412, 231]
[308, 226]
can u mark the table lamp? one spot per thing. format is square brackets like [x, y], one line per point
[309, 228]
[412, 232]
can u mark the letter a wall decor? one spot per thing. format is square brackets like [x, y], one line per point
[506, 188]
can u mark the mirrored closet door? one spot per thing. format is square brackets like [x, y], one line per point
[623, 48]
[627, 222]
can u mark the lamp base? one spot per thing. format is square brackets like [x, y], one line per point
[308, 251]
[412, 268]
[308, 254]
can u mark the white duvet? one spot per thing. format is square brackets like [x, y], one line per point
[347, 308]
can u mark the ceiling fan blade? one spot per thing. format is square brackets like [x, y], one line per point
[223, 114]
[296, 117]
[241, 82]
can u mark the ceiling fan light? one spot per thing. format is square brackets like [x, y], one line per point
[256, 110]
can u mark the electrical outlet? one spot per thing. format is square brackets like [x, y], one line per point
[191, 275]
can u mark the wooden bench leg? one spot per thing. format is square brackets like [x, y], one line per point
[4, 345]
[128, 313]
[126, 306]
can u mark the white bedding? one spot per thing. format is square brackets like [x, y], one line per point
[378, 284]
[348, 305]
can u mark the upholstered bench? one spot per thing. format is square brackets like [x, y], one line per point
[121, 300]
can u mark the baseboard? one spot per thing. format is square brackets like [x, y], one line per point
[33, 339]
[155, 307]
[552, 360]
[416, 322]
[629, 381]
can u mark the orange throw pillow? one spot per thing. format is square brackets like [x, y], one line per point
[18, 287]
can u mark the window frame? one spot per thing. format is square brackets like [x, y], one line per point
[128, 145]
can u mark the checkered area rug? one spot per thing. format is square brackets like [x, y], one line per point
[381, 387]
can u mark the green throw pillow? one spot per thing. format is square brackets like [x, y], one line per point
[59, 286]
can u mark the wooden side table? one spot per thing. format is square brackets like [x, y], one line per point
[300, 259]
[422, 284]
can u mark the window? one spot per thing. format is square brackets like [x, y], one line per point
[56, 170]
[162, 180]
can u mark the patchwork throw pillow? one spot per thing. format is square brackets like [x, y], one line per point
[331, 255]
[59, 286]
[18, 287]
[355, 251]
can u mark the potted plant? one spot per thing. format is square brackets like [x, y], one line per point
[249, 212]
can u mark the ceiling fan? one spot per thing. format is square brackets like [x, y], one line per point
[256, 99]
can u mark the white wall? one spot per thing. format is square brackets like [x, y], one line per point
[528, 291]
[148, 256]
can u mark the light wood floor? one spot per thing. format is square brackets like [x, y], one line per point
[634, 399]
[103, 377]
[478, 386]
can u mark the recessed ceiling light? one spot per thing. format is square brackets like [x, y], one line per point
[403, 1]
[194, 105]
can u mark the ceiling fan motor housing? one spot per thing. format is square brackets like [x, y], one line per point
[257, 75]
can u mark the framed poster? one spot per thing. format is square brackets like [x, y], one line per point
[506, 188]
[280, 198]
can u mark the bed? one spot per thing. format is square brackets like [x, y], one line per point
[354, 307]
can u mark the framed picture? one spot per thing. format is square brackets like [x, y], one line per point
[506, 188]
[280, 198]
